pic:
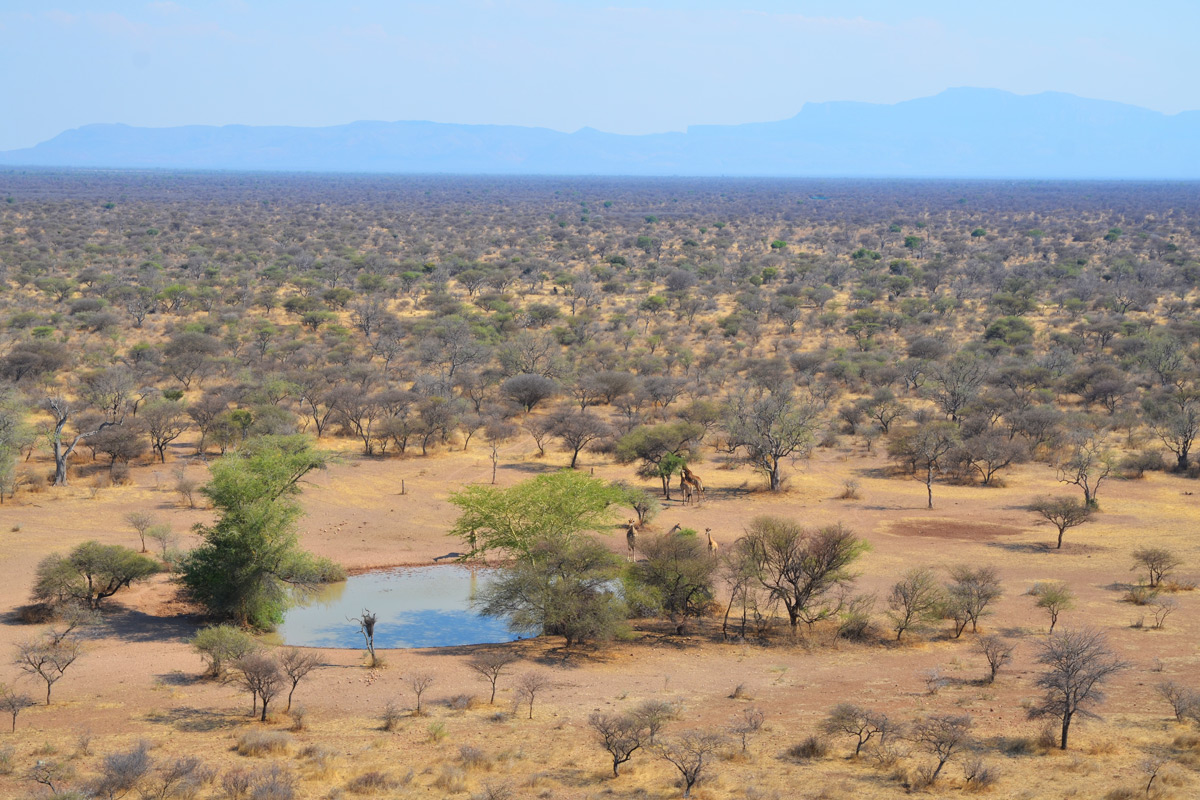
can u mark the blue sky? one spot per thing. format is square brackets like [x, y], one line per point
[625, 66]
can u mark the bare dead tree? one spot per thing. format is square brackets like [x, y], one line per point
[620, 734]
[13, 703]
[996, 651]
[418, 683]
[490, 665]
[296, 664]
[748, 723]
[861, 723]
[1184, 700]
[1078, 662]
[48, 658]
[690, 753]
[366, 625]
[261, 676]
[914, 599]
[528, 686]
[943, 736]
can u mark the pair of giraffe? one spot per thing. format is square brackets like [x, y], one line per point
[690, 485]
[632, 528]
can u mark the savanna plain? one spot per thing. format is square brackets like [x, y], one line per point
[888, 478]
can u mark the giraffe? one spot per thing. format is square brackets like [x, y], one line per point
[712, 545]
[631, 538]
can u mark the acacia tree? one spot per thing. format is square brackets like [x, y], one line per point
[1087, 465]
[62, 410]
[249, 559]
[164, 422]
[557, 506]
[560, 587]
[1054, 597]
[660, 450]
[1062, 513]
[296, 664]
[922, 448]
[1156, 561]
[577, 430]
[1078, 662]
[48, 657]
[90, 573]
[769, 428]
[973, 589]
[261, 676]
[620, 734]
[915, 599]
[943, 736]
[802, 568]
[491, 665]
[862, 724]
[677, 570]
[13, 703]
[690, 753]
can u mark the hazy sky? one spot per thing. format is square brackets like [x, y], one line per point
[625, 66]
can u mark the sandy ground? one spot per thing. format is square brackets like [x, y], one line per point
[139, 680]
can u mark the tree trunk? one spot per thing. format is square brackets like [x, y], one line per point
[1066, 726]
[929, 484]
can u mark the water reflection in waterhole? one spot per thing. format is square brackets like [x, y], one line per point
[415, 606]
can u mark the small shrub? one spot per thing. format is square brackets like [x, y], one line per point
[451, 779]
[979, 776]
[236, 783]
[1123, 793]
[298, 714]
[273, 783]
[494, 791]
[391, 716]
[1140, 595]
[371, 782]
[849, 490]
[462, 702]
[259, 743]
[740, 693]
[6, 760]
[473, 758]
[319, 758]
[436, 731]
[809, 748]
[220, 645]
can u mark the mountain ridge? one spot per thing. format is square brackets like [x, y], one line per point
[959, 133]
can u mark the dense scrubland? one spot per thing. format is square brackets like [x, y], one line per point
[920, 421]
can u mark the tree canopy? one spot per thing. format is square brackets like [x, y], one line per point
[557, 506]
[250, 560]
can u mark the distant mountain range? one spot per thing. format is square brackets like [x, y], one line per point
[960, 133]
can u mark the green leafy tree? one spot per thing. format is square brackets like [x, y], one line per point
[15, 435]
[90, 573]
[677, 571]
[560, 587]
[557, 507]
[660, 450]
[249, 562]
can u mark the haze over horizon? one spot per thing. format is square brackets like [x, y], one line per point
[624, 67]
